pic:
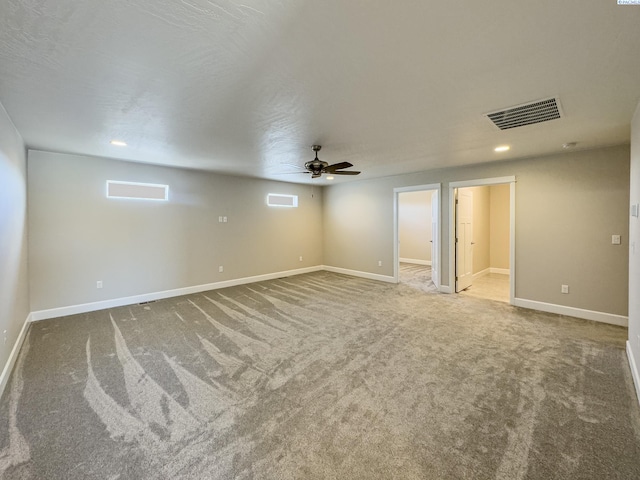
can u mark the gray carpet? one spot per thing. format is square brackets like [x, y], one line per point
[320, 376]
[416, 276]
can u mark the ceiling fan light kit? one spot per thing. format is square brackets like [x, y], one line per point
[317, 167]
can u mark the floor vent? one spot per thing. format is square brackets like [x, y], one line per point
[527, 114]
[147, 303]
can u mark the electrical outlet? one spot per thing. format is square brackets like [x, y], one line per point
[379, 263]
[300, 257]
[220, 269]
[615, 239]
[99, 284]
[564, 289]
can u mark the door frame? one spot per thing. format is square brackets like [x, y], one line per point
[396, 218]
[482, 182]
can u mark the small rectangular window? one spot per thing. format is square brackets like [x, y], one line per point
[137, 191]
[281, 200]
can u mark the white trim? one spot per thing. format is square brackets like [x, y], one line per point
[358, 273]
[634, 370]
[445, 289]
[13, 356]
[511, 180]
[452, 238]
[512, 242]
[396, 218]
[501, 271]
[602, 317]
[415, 261]
[482, 273]
[487, 271]
[147, 297]
[483, 182]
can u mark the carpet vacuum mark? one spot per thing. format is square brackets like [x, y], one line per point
[320, 376]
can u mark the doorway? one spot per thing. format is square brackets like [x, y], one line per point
[417, 237]
[482, 238]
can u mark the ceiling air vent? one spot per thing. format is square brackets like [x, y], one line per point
[527, 114]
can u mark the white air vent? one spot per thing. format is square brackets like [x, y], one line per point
[527, 114]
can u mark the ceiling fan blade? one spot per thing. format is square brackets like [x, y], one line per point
[345, 172]
[337, 166]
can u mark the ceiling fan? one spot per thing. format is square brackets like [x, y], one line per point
[317, 167]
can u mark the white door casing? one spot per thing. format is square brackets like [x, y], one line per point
[396, 240]
[464, 239]
[435, 235]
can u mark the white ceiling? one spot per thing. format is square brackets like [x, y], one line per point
[246, 87]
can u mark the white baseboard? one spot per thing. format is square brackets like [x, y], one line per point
[603, 317]
[487, 271]
[634, 369]
[482, 273]
[501, 271]
[13, 356]
[415, 261]
[147, 297]
[358, 273]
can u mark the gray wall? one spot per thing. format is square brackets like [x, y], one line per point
[634, 251]
[14, 287]
[77, 236]
[567, 207]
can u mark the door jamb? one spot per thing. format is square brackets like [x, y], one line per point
[511, 180]
[396, 219]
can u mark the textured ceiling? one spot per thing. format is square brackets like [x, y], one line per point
[247, 87]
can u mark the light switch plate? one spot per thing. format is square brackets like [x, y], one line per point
[615, 239]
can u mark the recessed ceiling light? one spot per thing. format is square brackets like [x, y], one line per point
[118, 143]
[502, 148]
[329, 177]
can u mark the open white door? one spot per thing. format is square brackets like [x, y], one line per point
[435, 236]
[464, 239]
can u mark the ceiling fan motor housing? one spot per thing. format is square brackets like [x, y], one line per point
[316, 165]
